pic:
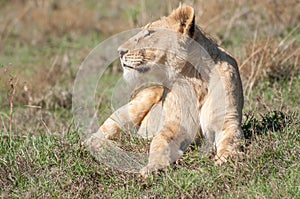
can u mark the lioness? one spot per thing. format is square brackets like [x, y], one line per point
[219, 98]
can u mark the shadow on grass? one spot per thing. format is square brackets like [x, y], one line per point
[274, 121]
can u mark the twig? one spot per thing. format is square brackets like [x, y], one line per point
[33, 106]
[45, 125]
[12, 85]
[286, 37]
[263, 103]
[69, 127]
[257, 51]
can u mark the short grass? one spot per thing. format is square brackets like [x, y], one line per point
[45, 157]
[59, 166]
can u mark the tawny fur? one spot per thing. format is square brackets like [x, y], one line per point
[170, 138]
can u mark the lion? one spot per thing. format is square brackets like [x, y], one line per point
[210, 103]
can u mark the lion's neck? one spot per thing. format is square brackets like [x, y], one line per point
[207, 43]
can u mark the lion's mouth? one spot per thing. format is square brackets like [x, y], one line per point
[127, 66]
[141, 69]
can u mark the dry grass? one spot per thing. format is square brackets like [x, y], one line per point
[38, 37]
[270, 60]
[40, 20]
[263, 35]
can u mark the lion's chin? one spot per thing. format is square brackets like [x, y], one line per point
[130, 75]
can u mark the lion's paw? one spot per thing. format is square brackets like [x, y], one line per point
[97, 142]
[153, 168]
[220, 160]
[224, 157]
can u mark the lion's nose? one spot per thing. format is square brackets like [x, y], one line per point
[122, 52]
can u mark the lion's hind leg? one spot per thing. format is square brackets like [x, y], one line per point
[228, 143]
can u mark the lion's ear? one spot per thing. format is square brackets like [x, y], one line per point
[184, 17]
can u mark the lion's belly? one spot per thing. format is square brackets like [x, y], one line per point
[212, 113]
[223, 105]
[212, 117]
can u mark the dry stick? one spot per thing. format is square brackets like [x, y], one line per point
[286, 37]
[52, 67]
[253, 78]
[292, 76]
[46, 127]
[291, 55]
[11, 98]
[33, 106]
[250, 57]
[252, 69]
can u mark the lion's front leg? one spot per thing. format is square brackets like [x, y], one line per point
[163, 150]
[129, 115]
[176, 134]
[167, 147]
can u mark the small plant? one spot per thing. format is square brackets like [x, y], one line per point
[274, 121]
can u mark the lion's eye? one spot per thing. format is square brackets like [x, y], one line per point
[148, 33]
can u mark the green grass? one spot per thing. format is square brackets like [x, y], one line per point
[59, 166]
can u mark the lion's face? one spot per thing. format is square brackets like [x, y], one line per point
[152, 45]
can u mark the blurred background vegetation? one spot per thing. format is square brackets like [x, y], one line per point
[43, 42]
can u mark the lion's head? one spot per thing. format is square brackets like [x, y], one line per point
[162, 42]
